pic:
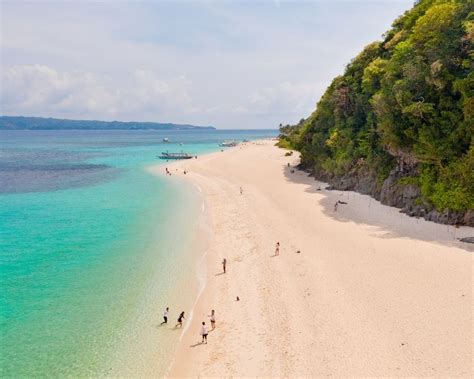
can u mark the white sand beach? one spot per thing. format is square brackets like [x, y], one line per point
[372, 292]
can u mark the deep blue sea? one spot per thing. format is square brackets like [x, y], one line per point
[92, 247]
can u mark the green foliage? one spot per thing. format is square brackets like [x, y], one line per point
[283, 143]
[290, 135]
[451, 187]
[410, 97]
[408, 181]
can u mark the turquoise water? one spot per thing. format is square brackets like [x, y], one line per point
[92, 247]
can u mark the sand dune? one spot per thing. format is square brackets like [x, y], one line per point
[371, 293]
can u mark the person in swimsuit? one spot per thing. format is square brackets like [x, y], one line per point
[180, 320]
[204, 332]
[165, 316]
[213, 319]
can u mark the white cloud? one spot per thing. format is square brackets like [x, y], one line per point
[285, 98]
[42, 90]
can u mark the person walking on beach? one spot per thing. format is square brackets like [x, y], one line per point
[165, 316]
[212, 317]
[277, 249]
[224, 264]
[180, 320]
[204, 332]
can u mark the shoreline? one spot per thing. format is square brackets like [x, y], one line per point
[143, 337]
[258, 331]
[201, 281]
[198, 240]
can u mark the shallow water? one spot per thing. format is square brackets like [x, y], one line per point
[92, 247]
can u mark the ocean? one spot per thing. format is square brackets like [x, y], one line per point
[93, 247]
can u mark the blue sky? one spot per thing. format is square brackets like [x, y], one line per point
[230, 64]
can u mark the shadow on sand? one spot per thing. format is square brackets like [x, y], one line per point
[197, 344]
[384, 221]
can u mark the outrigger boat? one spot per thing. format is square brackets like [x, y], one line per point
[175, 156]
[229, 143]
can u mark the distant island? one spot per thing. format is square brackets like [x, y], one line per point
[42, 123]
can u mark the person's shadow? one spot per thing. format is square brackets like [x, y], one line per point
[221, 273]
[197, 344]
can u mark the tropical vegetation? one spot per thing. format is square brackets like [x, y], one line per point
[404, 103]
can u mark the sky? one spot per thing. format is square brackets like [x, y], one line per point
[229, 64]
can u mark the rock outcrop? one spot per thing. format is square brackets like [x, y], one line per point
[397, 190]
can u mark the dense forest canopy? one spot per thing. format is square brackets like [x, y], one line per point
[405, 101]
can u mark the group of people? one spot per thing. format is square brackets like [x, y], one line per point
[168, 172]
[204, 331]
[212, 317]
[165, 318]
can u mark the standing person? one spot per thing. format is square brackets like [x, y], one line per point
[277, 249]
[165, 316]
[213, 319]
[180, 320]
[204, 332]
[241, 190]
[224, 264]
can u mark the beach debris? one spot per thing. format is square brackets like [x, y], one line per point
[298, 251]
[467, 239]
[336, 205]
